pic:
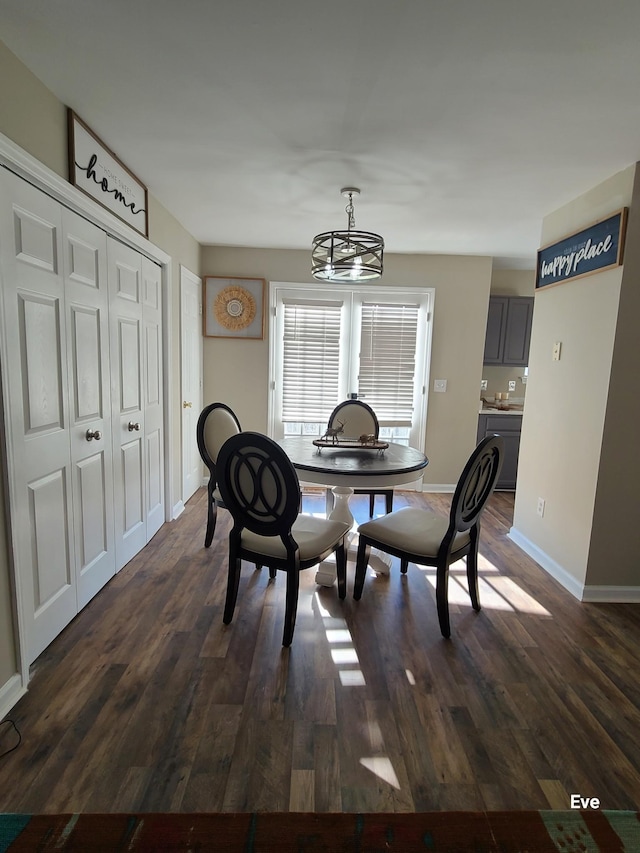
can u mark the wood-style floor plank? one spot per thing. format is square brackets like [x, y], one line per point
[147, 702]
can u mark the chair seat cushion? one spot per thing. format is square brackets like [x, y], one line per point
[414, 531]
[313, 535]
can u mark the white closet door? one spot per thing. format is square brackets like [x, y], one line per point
[126, 336]
[37, 410]
[152, 395]
[87, 304]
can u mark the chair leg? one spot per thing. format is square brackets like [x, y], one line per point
[272, 572]
[472, 576]
[404, 565]
[212, 512]
[291, 606]
[362, 561]
[372, 504]
[233, 582]
[442, 599]
[341, 569]
[388, 497]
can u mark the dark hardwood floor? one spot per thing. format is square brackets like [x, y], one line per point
[147, 702]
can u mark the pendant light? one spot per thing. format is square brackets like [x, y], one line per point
[347, 256]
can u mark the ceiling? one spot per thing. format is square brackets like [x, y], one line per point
[462, 122]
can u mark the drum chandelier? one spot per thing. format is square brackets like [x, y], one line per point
[347, 256]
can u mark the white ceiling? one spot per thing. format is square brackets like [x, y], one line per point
[463, 122]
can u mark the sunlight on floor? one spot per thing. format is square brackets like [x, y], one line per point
[383, 769]
[345, 657]
[496, 591]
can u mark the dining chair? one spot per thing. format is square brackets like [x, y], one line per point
[260, 488]
[359, 419]
[216, 423]
[419, 536]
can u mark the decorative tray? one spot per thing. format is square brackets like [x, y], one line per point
[350, 444]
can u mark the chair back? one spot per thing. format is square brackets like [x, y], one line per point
[476, 483]
[259, 484]
[217, 423]
[357, 418]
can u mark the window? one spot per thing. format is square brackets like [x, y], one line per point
[332, 342]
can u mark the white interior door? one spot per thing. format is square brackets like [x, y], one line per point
[37, 410]
[153, 416]
[87, 357]
[191, 378]
[126, 337]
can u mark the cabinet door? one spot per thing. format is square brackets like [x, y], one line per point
[496, 325]
[509, 427]
[518, 331]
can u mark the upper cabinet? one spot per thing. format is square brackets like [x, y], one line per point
[508, 330]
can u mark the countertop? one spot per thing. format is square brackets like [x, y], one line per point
[489, 407]
[484, 410]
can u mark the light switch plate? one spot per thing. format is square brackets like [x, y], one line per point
[439, 384]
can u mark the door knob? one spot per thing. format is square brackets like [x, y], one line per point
[186, 405]
[131, 427]
[93, 433]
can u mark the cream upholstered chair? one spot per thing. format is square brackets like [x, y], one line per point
[421, 537]
[358, 418]
[260, 488]
[216, 424]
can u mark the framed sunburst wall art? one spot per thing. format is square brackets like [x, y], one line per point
[234, 307]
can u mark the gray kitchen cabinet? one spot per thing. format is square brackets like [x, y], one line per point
[508, 330]
[509, 427]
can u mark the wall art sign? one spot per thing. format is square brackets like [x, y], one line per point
[594, 249]
[234, 307]
[96, 170]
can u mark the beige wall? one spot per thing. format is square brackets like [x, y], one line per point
[236, 371]
[33, 118]
[566, 402]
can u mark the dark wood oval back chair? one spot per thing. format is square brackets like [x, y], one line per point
[422, 537]
[217, 423]
[358, 419]
[260, 488]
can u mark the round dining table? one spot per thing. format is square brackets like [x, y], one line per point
[347, 467]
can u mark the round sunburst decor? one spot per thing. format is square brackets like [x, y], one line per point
[234, 308]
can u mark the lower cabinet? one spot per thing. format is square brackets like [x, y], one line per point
[509, 427]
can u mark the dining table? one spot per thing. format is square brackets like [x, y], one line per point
[345, 466]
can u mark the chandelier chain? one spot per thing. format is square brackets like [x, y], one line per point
[351, 218]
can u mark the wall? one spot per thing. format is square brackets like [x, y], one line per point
[566, 404]
[33, 118]
[236, 371]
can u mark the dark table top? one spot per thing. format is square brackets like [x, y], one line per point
[354, 466]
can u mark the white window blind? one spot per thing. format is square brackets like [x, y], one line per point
[311, 360]
[387, 360]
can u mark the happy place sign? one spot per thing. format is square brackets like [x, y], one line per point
[596, 248]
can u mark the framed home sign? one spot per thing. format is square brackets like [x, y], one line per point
[594, 249]
[96, 170]
[234, 307]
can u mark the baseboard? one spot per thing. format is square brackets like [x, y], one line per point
[439, 488]
[177, 510]
[550, 566]
[10, 692]
[611, 594]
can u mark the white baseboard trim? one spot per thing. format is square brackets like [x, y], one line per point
[177, 510]
[10, 692]
[439, 488]
[611, 594]
[550, 566]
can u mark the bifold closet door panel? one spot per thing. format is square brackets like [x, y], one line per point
[126, 333]
[89, 380]
[152, 389]
[36, 403]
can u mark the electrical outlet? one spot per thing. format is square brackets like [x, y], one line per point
[540, 509]
[557, 347]
[439, 384]
[483, 384]
[512, 385]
